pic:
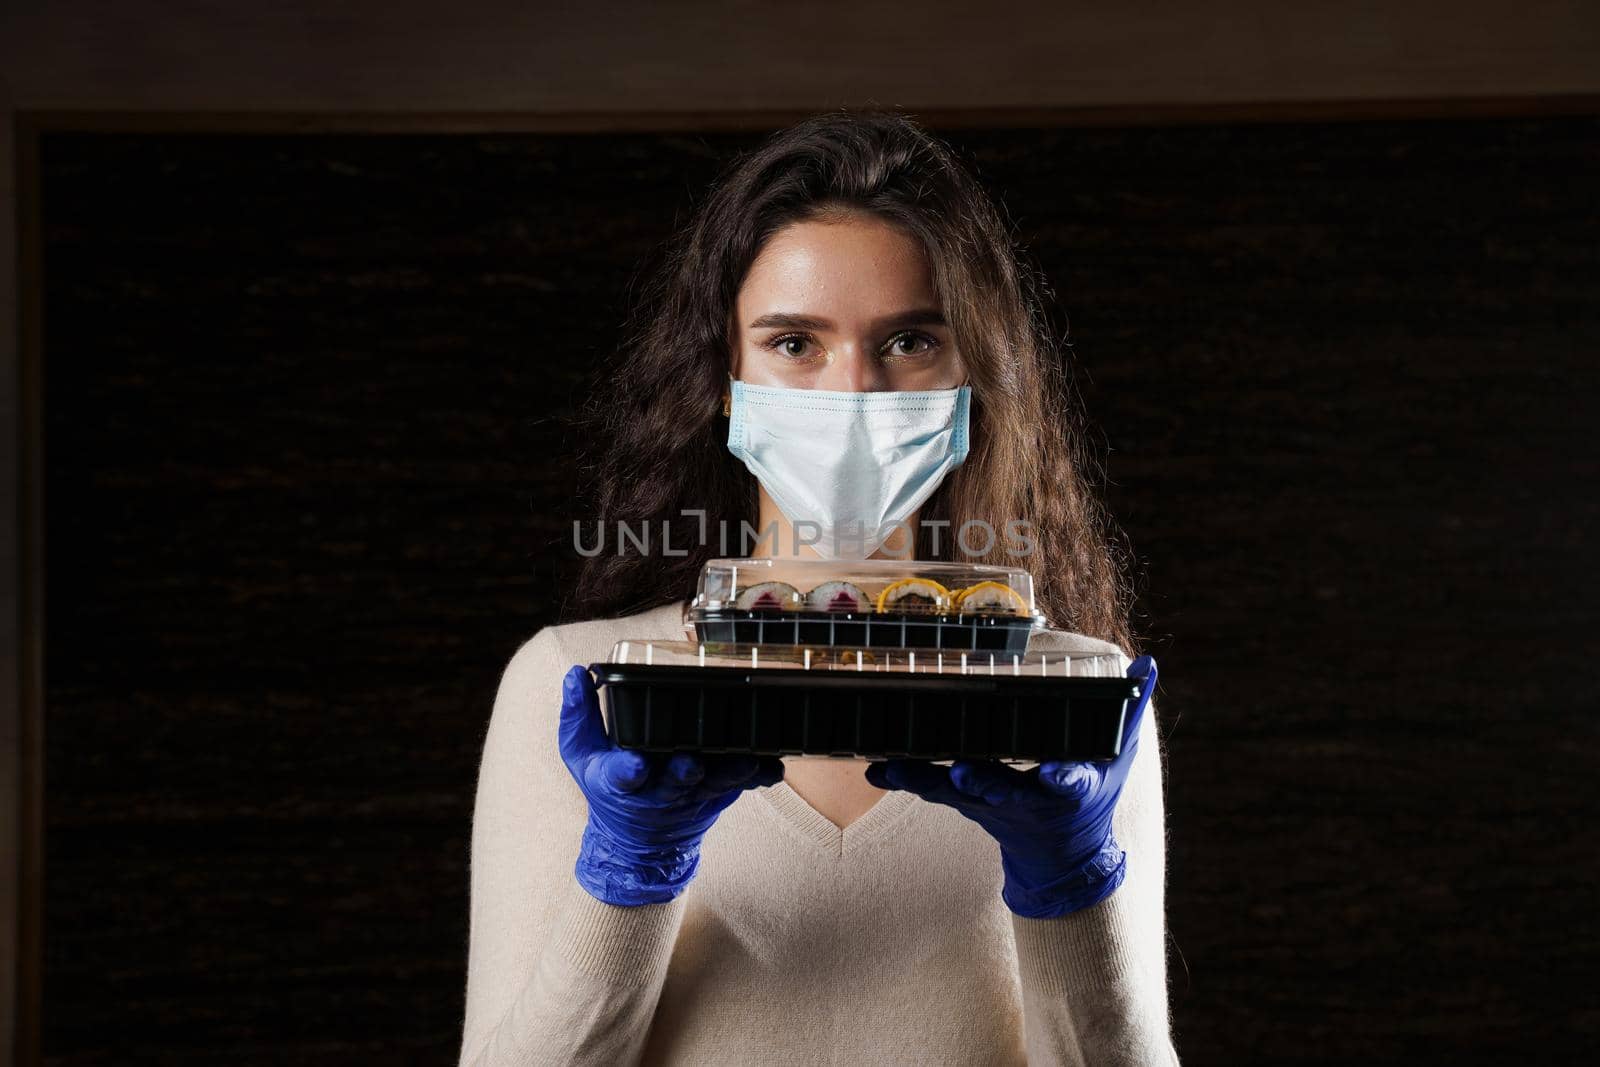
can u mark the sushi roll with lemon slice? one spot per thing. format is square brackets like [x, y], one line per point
[837, 596]
[770, 596]
[990, 598]
[919, 595]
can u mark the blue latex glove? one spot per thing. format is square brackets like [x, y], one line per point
[647, 814]
[1053, 822]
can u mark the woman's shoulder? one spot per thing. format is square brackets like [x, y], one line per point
[591, 640]
[1053, 640]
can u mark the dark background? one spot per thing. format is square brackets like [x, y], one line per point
[307, 490]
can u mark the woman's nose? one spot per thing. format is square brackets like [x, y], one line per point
[853, 370]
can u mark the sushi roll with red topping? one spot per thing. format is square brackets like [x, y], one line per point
[770, 596]
[837, 596]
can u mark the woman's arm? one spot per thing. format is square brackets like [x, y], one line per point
[553, 975]
[1094, 983]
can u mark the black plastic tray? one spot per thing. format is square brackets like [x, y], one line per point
[960, 633]
[848, 713]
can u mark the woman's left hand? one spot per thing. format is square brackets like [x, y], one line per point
[1053, 823]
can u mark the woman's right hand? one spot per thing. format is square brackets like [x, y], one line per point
[647, 814]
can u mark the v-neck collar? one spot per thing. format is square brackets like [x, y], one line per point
[791, 809]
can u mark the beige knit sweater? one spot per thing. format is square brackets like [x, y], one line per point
[797, 942]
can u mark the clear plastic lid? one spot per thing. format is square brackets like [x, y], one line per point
[934, 662]
[872, 586]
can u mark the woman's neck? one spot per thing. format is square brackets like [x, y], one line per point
[776, 537]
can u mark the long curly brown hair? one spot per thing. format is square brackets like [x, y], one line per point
[655, 416]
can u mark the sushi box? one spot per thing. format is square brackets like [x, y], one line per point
[666, 696]
[864, 604]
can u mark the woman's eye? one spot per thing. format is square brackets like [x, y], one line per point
[794, 346]
[911, 344]
[798, 346]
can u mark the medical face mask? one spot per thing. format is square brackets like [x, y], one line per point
[844, 468]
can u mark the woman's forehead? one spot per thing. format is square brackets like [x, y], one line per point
[850, 271]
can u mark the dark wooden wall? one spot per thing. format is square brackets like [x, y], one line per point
[307, 490]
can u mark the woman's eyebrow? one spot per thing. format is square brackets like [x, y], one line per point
[787, 321]
[784, 320]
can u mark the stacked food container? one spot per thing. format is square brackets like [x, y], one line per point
[866, 658]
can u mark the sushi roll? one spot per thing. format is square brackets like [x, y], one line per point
[837, 596]
[990, 598]
[914, 595]
[770, 596]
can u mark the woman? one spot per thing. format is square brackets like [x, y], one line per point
[726, 910]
